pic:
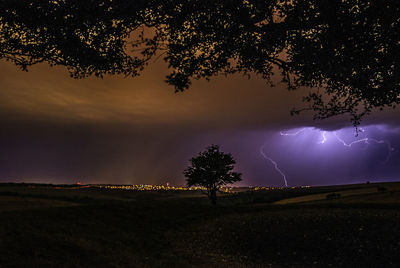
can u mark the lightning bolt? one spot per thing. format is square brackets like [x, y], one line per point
[367, 141]
[363, 140]
[273, 162]
[324, 139]
[293, 133]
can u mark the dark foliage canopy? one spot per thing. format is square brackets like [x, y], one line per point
[346, 51]
[211, 169]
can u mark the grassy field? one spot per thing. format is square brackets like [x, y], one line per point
[48, 226]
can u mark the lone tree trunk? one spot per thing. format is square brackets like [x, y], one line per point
[213, 196]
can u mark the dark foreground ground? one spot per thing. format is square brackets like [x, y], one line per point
[47, 226]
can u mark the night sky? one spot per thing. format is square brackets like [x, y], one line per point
[55, 129]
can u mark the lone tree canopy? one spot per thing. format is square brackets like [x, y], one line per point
[211, 169]
[346, 51]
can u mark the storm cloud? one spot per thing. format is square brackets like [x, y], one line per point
[124, 130]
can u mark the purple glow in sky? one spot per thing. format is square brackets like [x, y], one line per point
[332, 150]
[55, 129]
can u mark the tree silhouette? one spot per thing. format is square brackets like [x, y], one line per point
[345, 51]
[211, 169]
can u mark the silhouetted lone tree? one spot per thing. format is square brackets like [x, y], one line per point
[211, 169]
[347, 52]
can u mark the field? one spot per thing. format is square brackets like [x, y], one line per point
[70, 226]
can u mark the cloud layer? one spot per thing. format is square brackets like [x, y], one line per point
[124, 130]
